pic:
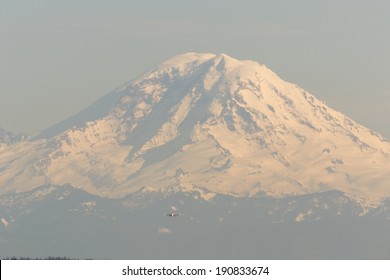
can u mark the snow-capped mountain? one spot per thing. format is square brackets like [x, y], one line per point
[257, 168]
[207, 123]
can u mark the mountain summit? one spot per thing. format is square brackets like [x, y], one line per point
[209, 123]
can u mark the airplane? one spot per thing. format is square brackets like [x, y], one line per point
[172, 215]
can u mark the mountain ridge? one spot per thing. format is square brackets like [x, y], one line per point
[58, 220]
[8, 137]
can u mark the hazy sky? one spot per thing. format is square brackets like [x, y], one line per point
[56, 57]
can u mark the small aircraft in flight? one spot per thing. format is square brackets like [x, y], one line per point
[172, 215]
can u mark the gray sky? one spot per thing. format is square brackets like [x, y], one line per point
[57, 57]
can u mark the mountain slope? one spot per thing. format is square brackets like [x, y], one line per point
[209, 123]
[7, 137]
